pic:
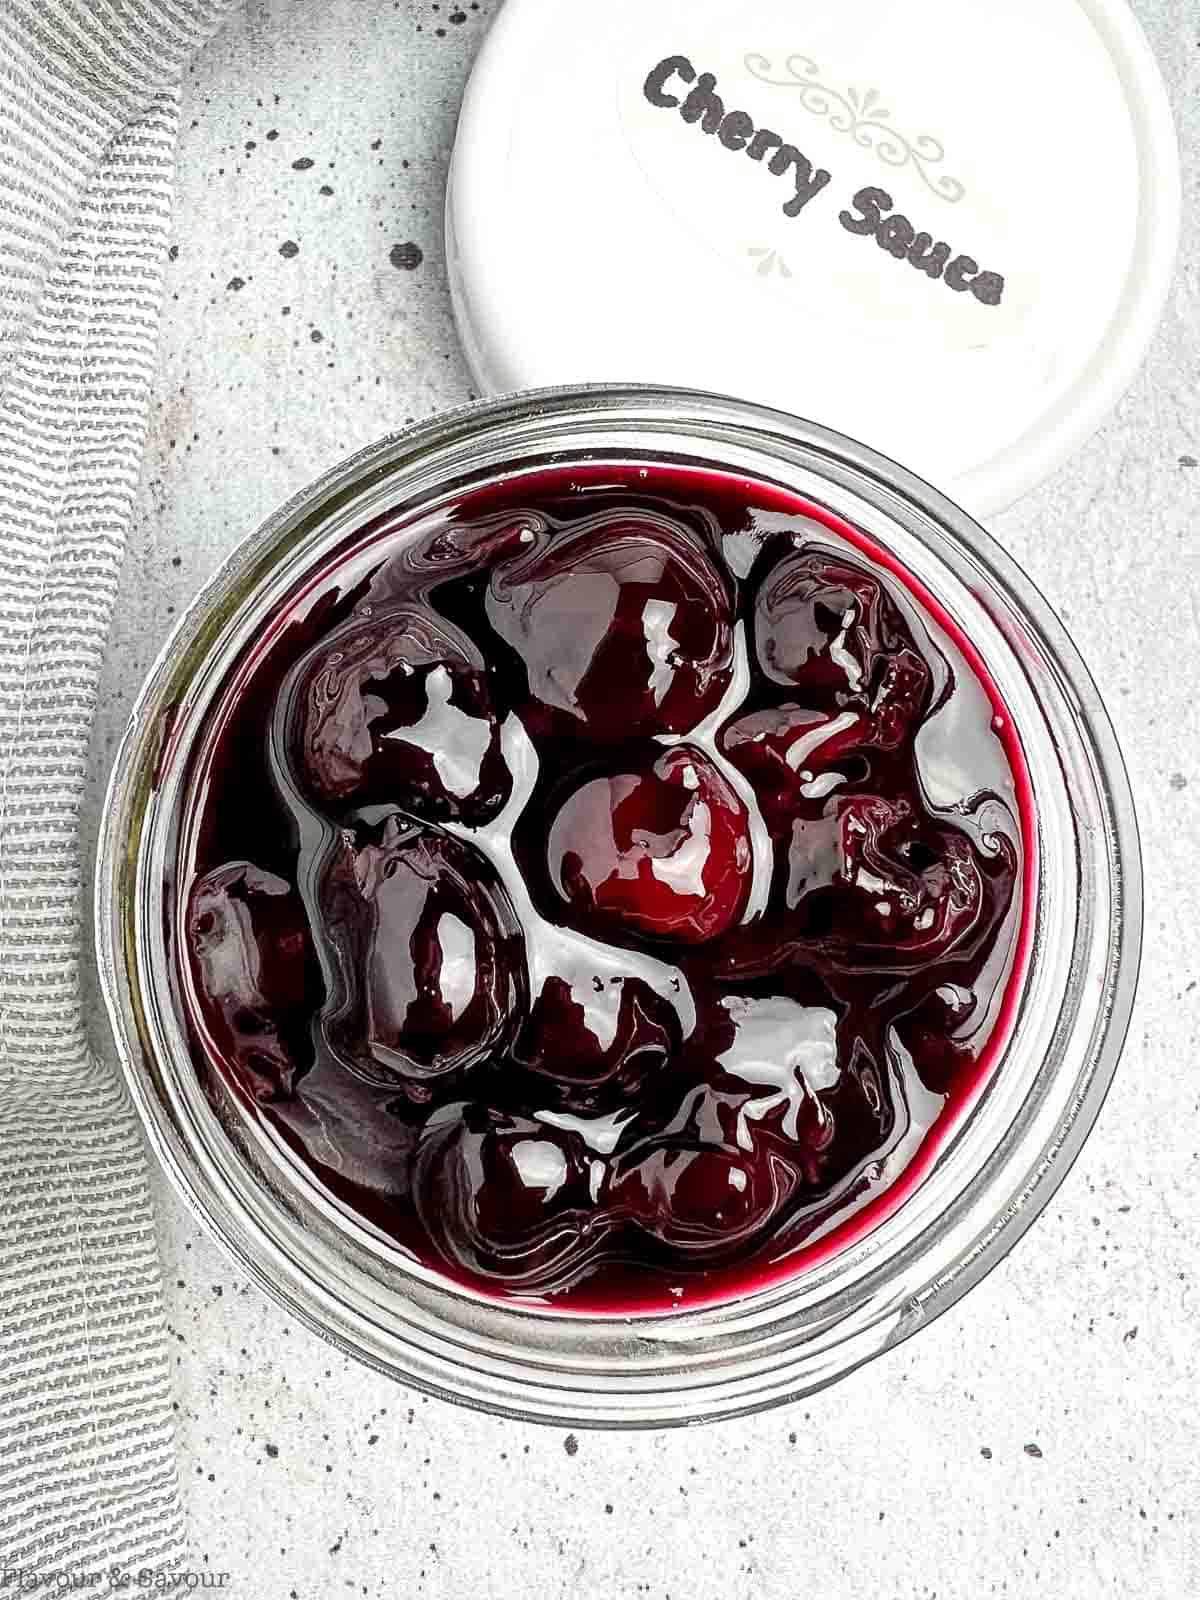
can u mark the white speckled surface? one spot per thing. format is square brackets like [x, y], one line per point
[1039, 1439]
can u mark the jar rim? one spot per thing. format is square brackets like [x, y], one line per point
[719, 1359]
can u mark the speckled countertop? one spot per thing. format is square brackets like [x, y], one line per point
[1039, 1439]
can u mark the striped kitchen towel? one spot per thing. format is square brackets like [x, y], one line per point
[89, 97]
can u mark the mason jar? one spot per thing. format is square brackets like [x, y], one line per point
[987, 1182]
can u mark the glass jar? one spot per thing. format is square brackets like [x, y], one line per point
[989, 1180]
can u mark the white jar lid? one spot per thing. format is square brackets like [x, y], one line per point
[729, 197]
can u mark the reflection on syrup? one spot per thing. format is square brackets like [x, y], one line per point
[610, 885]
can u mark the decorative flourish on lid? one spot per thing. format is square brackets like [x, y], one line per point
[863, 116]
[769, 261]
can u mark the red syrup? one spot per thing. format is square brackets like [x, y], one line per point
[615, 887]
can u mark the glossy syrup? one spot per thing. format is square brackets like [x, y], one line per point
[613, 886]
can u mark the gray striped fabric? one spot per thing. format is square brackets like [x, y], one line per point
[88, 114]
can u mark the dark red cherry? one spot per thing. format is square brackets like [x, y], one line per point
[663, 851]
[508, 1198]
[700, 1201]
[899, 697]
[249, 942]
[768, 1077]
[939, 1036]
[588, 1031]
[796, 758]
[623, 626]
[876, 884]
[427, 964]
[786, 1054]
[828, 627]
[396, 709]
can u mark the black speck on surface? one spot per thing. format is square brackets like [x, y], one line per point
[236, 283]
[1178, 781]
[303, 164]
[316, 336]
[272, 1450]
[288, 249]
[173, 253]
[1188, 461]
[408, 257]
[272, 133]
[985, 1453]
[376, 144]
[571, 1445]
[326, 188]
[1131, 1335]
[374, 1439]
[1034, 1450]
